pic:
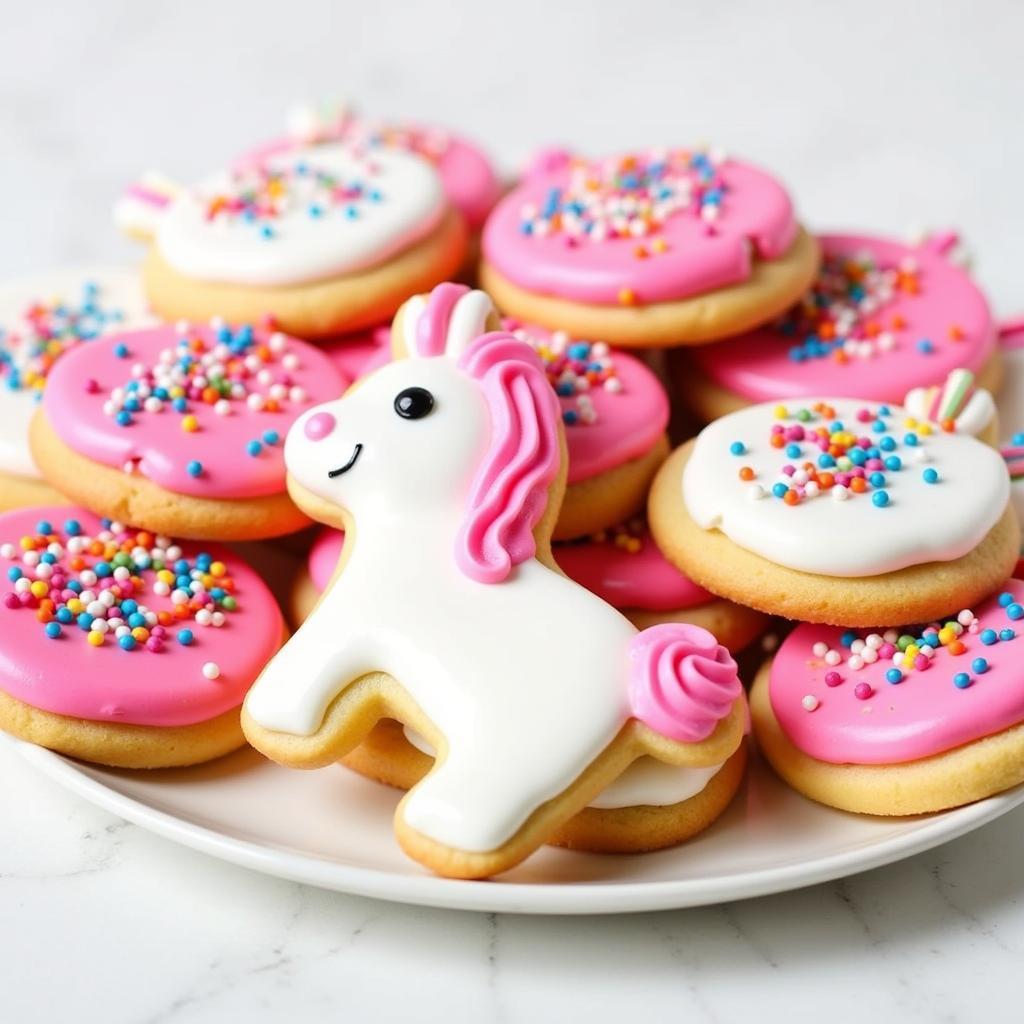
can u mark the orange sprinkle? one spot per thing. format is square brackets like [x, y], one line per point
[791, 497]
[858, 485]
[948, 425]
[746, 473]
[955, 647]
[627, 297]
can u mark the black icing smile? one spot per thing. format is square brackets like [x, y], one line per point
[356, 452]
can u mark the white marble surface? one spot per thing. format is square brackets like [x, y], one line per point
[881, 116]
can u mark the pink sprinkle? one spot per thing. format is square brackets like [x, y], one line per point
[12, 601]
[788, 469]
[91, 386]
[863, 690]
[887, 651]
[319, 426]
[921, 662]
[864, 416]
[833, 678]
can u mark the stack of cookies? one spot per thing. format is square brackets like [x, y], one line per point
[522, 606]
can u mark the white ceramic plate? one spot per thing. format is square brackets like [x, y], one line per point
[332, 829]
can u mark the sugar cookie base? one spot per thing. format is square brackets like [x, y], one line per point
[612, 497]
[950, 779]
[388, 757]
[133, 499]
[27, 492]
[317, 309]
[918, 593]
[710, 400]
[772, 287]
[118, 744]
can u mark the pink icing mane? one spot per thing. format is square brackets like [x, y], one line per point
[432, 328]
[510, 491]
[682, 681]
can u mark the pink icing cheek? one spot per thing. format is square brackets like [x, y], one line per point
[319, 426]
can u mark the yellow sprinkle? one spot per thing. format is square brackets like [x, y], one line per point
[924, 429]
[75, 606]
[780, 412]
[189, 424]
[95, 638]
[39, 589]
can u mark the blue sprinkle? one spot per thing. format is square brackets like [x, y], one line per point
[779, 490]
[1005, 599]
[53, 630]
[254, 448]
[1006, 634]
[121, 350]
[185, 637]
[925, 346]
[876, 479]
[894, 463]
[180, 404]
[136, 620]
[793, 451]
[72, 527]
[894, 676]
[930, 476]
[194, 468]
[1015, 611]
[979, 665]
[887, 444]
[569, 417]
[825, 461]
[910, 439]
[14, 573]
[65, 616]
[44, 526]
[738, 448]
[880, 499]
[883, 410]
[84, 621]
[124, 418]
[127, 642]
[1018, 439]
[267, 231]
[847, 638]
[988, 637]
[129, 607]
[879, 427]
[271, 437]
[961, 680]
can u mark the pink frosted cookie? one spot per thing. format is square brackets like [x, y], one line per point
[41, 317]
[324, 239]
[660, 247]
[181, 428]
[359, 354]
[624, 567]
[124, 647]
[900, 721]
[881, 318]
[615, 413]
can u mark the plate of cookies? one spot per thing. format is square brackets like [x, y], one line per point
[674, 563]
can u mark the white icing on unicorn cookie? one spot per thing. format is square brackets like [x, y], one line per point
[936, 502]
[442, 468]
[297, 216]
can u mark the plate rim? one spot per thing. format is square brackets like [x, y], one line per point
[582, 898]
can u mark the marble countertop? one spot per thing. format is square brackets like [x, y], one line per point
[105, 923]
[883, 117]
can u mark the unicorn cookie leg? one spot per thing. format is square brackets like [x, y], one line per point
[447, 614]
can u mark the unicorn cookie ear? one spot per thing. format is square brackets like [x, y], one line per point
[443, 323]
[957, 405]
[138, 211]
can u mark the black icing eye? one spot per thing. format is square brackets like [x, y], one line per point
[414, 403]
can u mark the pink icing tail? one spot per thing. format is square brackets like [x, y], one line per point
[682, 681]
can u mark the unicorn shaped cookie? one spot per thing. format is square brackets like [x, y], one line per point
[447, 613]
